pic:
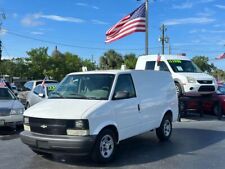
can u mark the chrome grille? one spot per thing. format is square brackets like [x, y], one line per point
[205, 81]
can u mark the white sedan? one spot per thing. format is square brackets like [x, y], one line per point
[40, 93]
[11, 109]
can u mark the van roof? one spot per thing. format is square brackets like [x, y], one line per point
[106, 72]
[163, 57]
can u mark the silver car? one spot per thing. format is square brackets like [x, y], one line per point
[40, 93]
[11, 109]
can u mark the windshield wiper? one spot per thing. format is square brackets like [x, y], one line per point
[59, 95]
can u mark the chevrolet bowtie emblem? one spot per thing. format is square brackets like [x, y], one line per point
[43, 126]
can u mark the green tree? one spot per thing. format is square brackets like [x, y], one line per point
[111, 60]
[38, 64]
[130, 60]
[202, 63]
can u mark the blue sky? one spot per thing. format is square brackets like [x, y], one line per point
[195, 27]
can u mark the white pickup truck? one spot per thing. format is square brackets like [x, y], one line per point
[187, 76]
[91, 112]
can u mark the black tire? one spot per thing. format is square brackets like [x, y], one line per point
[178, 89]
[27, 105]
[217, 110]
[106, 155]
[164, 131]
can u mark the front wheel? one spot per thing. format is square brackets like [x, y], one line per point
[105, 147]
[165, 129]
[178, 89]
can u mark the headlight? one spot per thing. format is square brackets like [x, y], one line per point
[79, 128]
[26, 120]
[191, 79]
[16, 111]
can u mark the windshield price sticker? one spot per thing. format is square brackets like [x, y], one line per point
[174, 61]
[51, 88]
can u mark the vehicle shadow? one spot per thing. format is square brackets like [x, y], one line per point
[196, 117]
[8, 133]
[146, 148]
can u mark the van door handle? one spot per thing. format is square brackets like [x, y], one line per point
[139, 107]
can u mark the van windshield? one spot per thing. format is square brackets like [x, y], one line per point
[184, 66]
[84, 86]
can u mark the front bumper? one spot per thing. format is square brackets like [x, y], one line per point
[199, 88]
[71, 145]
[11, 120]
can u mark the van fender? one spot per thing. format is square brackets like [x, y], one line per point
[103, 125]
[165, 111]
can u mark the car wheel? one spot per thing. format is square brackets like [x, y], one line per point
[217, 110]
[178, 89]
[105, 146]
[164, 131]
[27, 105]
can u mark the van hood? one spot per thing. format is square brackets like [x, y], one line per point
[197, 76]
[61, 108]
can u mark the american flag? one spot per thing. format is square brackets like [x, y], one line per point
[134, 22]
[222, 56]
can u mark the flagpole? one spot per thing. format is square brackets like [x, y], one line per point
[146, 27]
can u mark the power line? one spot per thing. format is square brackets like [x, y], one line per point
[68, 45]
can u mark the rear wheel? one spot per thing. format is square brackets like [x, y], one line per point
[105, 147]
[165, 129]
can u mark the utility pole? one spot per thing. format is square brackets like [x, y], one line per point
[2, 17]
[163, 39]
[169, 49]
[146, 27]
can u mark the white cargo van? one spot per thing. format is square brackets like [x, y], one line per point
[187, 76]
[91, 112]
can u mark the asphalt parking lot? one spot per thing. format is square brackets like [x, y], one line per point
[196, 143]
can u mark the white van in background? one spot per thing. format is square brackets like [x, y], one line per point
[91, 112]
[187, 76]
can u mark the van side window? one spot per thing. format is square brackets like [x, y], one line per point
[163, 66]
[125, 84]
[150, 65]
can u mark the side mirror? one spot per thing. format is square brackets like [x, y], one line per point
[121, 95]
[41, 95]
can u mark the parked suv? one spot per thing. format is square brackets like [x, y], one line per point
[91, 112]
[187, 76]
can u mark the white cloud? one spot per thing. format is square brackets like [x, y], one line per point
[185, 5]
[15, 15]
[34, 19]
[37, 33]
[3, 32]
[206, 31]
[31, 20]
[61, 18]
[206, 12]
[191, 20]
[86, 5]
[95, 7]
[220, 6]
[95, 21]
[81, 4]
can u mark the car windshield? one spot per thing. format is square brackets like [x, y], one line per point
[5, 94]
[184, 66]
[51, 88]
[84, 86]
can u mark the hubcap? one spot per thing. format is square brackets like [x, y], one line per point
[167, 128]
[106, 146]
